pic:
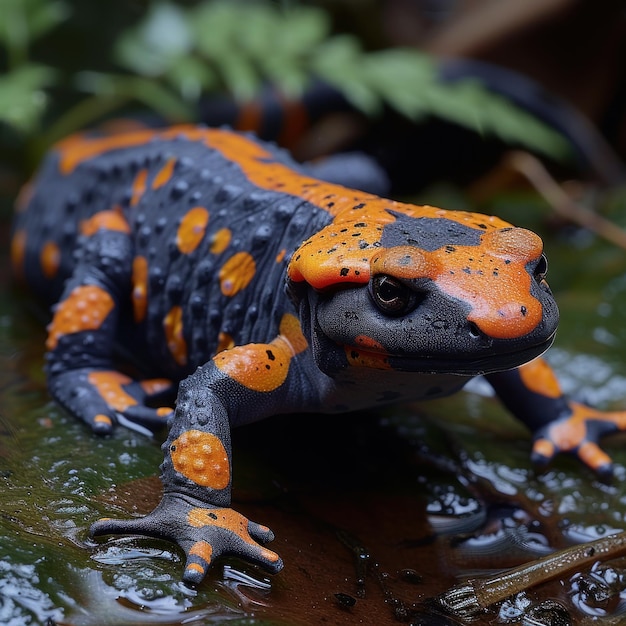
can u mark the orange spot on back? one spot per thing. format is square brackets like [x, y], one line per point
[50, 258]
[140, 288]
[109, 386]
[220, 241]
[164, 175]
[173, 326]
[86, 308]
[109, 220]
[539, 377]
[237, 273]
[202, 458]
[139, 187]
[191, 230]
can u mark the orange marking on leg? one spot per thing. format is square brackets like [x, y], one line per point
[291, 331]
[164, 175]
[139, 187]
[592, 456]
[153, 386]
[18, 252]
[539, 378]
[162, 411]
[544, 447]
[112, 219]
[102, 419]
[220, 241]
[50, 259]
[237, 273]
[110, 387]
[191, 230]
[86, 308]
[173, 327]
[140, 288]
[202, 458]
[280, 257]
[264, 367]
[202, 549]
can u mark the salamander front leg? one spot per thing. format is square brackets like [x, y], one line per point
[532, 393]
[196, 472]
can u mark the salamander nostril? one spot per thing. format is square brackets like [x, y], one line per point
[474, 331]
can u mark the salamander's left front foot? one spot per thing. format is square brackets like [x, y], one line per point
[203, 532]
[579, 433]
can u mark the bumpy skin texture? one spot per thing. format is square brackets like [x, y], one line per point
[215, 260]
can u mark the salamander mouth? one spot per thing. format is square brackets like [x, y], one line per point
[497, 358]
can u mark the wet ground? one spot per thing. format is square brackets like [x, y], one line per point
[374, 514]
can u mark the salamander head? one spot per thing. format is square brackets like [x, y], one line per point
[425, 290]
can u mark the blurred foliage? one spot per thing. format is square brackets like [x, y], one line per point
[162, 57]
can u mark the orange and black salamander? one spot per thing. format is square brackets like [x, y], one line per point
[226, 269]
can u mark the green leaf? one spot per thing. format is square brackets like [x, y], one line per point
[339, 62]
[159, 41]
[151, 93]
[191, 77]
[23, 97]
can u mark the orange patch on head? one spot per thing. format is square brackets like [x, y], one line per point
[108, 220]
[539, 378]
[18, 251]
[50, 258]
[86, 308]
[365, 358]
[220, 241]
[237, 273]
[202, 458]
[110, 387]
[139, 187]
[140, 288]
[173, 326]
[164, 174]
[191, 230]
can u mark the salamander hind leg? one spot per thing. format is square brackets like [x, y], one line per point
[79, 368]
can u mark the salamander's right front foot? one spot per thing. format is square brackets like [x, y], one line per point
[204, 533]
[103, 398]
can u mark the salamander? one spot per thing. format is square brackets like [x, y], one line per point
[224, 269]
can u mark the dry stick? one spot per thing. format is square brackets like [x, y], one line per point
[534, 171]
[470, 598]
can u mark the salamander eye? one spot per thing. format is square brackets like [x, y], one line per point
[391, 296]
[541, 269]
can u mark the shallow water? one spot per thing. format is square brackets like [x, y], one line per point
[373, 514]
